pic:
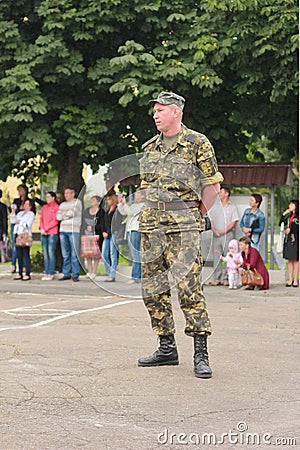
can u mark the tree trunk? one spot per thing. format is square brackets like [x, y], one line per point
[70, 172]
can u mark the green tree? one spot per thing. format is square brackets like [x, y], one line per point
[76, 77]
[53, 111]
[234, 61]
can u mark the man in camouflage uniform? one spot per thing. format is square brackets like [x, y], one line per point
[179, 172]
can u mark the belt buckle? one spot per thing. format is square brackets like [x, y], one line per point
[161, 205]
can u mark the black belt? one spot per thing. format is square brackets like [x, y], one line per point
[172, 206]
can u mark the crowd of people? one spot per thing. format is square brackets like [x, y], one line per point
[71, 235]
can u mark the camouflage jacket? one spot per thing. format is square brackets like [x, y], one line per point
[176, 174]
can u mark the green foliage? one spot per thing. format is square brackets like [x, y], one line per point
[76, 77]
[37, 262]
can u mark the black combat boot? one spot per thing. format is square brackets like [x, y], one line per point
[165, 355]
[201, 364]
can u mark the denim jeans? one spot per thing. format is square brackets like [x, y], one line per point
[49, 245]
[134, 243]
[24, 262]
[13, 245]
[69, 243]
[110, 256]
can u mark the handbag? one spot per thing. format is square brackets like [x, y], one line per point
[207, 223]
[24, 240]
[253, 235]
[252, 277]
[90, 247]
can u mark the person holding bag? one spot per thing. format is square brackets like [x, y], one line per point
[23, 231]
[253, 221]
[253, 261]
[290, 220]
[90, 240]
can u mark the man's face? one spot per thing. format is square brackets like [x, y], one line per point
[223, 194]
[69, 195]
[164, 116]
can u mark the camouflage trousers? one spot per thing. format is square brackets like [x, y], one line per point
[168, 260]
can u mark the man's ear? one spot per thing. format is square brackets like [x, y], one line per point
[177, 112]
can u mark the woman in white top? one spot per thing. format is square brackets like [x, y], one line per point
[24, 222]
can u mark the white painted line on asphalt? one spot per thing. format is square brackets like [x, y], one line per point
[26, 312]
[37, 294]
[40, 305]
[34, 314]
[71, 313]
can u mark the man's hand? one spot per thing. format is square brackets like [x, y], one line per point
[209, 195]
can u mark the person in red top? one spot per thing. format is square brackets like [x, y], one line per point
[251, 257]
[49, 234]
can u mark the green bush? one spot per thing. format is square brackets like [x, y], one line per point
[37, 262]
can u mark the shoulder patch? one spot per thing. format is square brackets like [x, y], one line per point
[195, 138]
[150, 141]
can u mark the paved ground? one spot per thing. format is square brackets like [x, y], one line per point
[69, 377]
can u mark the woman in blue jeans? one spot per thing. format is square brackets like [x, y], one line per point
[24, 222]
[49, 234]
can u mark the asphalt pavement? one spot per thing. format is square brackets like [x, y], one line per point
[69, 375]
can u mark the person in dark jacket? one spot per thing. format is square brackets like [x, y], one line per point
[23, 196]
[112, 221]
[290, 218]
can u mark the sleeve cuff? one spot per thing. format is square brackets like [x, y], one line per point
[216, 178]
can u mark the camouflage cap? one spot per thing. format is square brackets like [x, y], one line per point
[169, 98]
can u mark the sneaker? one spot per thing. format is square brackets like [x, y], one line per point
[90, 275]
[47, 277]
[75, 279]
[64, 278]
